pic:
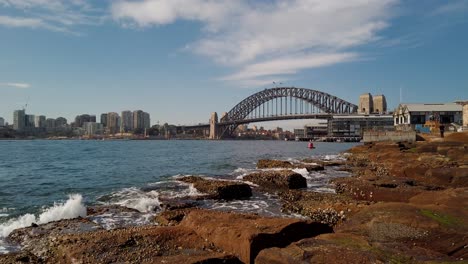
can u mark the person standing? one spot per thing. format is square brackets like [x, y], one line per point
[442, 130]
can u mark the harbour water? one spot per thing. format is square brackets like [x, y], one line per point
[42, 181]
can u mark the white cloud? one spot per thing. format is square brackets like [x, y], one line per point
[16, 85]
[161, 12]
[55, 15]
[20, 22]
[451, 7]
[290, 65]
[268, 38]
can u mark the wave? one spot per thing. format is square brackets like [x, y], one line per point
[136, 198]
[72, 208]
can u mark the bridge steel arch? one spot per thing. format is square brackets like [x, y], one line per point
[327, 103]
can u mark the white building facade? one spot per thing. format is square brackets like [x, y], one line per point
[418, 114]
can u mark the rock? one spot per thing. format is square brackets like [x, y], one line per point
[326, 208]
[271, 164]
[328, 248]
[245, 235]
[325, 162]
[377, 190]
[20, 257]
[137, 245]
[282, 179]
[35, 239]
[171, 217]
[438, 230]
[106, 209]
[448, 176]
[218, 189]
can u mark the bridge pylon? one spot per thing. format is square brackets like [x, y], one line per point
[214, 130]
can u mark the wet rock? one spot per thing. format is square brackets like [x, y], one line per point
[106, 209]
[325, 162]
[282, 179]
[137, 245]
[271, 164]
[245, 235]
[218, 189]
[36, 239]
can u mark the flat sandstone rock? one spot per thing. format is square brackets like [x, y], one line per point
[245, 235]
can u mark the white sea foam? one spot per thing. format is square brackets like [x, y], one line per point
[137, 199]
[123, 219]
[183, 190]
[324, 190]
[3, 215]
[72, 208]
[333, 157]
[302, 172]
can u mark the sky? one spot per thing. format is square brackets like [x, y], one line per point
[180, 60]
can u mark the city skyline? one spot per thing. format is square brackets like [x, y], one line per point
[181, 63]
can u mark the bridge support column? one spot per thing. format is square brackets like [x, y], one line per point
[214, 126]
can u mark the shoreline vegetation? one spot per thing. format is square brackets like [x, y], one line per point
[403, 203]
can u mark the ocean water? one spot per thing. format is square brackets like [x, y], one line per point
[43, 181]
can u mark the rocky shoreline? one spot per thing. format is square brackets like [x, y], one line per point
[404, 203]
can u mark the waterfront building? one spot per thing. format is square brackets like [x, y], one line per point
[104, 119]
[93, 128]
[113, 122]
[30, 121]
[138, 120]
[146, 120]
[464, 105]
[61, 122]
[366, 104]
[81, 119]
[418, 114]
[50, 124]
[40, 121]
[299, 133]
[19, 119]
[380, 104]
[2, 122]
[127, 121]
[355, 125]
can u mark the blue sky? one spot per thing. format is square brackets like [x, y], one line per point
[179, 60]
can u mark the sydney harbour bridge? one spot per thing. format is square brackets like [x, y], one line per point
[279, 103]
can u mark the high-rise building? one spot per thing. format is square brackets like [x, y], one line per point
[93, 128]
[2, 122]
[380, 104]
[50, 123]
[30, 120]
[113, 122]
[366, 104]
[40, 121]
[104, 120]
[127, 121]
[146, 120]
[19, 119]
[81, 119]
[138, 119]
[61, 122]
